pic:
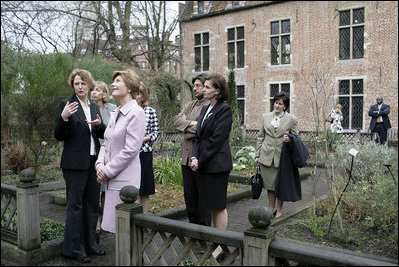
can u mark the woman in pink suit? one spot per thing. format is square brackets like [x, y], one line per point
[118, 163]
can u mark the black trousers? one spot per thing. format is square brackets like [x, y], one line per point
[82, 212]
[191, 197]
[382, 133]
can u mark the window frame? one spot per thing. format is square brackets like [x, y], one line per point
[280, 35]
[351, 96]
[201, 46]
[235, 42]
[243, 100]
[351, 27]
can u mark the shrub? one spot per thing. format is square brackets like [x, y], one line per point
[50, 230]
[245, 158]
[16, 155]
[167, 170]
[370, 199]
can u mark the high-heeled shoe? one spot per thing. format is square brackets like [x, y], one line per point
[274, 214]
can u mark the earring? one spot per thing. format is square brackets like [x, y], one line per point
[129, 91]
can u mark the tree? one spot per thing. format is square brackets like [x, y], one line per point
[112, 25]
[236, 131]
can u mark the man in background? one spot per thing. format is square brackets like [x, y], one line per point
[380, 123]
[186, 122]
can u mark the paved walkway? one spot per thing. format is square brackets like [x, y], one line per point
[237, 220]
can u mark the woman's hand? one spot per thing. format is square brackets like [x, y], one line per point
[102, 178]
[257, 160]
[69, 110]
[286, 139]
[194, 164]
[96, 122]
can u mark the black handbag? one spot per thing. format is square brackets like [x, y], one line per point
[256, 183]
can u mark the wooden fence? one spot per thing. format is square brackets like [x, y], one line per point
[150, 240]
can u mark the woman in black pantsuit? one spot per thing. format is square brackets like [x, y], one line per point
[211, 150]
[79, 125]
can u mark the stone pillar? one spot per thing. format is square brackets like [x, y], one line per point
[128, 239]
[257, 239]
[28, 213]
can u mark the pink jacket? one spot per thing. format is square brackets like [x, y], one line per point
[122, 142]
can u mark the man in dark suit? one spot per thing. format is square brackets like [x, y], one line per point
[380, 123]
[78, 124]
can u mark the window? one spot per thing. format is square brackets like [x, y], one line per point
[280, 42]
[143, 65]
[351, 99]
[83, 51]
[235, 47]
[168, 66]
[200, 7]
[201, 51]
[241, 102]
[276, 88]
[235, 3]
[175, 67]
[351, 34]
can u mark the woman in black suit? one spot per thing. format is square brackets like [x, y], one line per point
[79, 125]
[211, 150]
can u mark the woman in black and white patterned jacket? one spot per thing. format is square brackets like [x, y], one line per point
[147, 186]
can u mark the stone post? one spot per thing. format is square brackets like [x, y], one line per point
[128, 239]
[257, 239]
[28, 218]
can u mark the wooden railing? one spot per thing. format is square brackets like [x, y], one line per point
[146, 239]
[20, 216]
[9, 229]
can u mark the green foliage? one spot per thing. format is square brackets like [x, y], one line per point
[167, 170]
[164, 89]
[50, 230]
[245, 156]
[189, 262]
[236, 131]
[232, 101]
[43, 177]
[371, 196]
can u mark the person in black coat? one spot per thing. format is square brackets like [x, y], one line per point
[379, 123]
[211, 151]
[79, 125]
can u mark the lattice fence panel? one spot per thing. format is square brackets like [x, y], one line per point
[166, 249]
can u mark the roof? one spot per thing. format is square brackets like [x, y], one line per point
[215, 8]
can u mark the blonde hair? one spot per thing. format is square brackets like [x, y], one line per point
[131, 80]
[84, 75]
[338, 106]
[145, 95]
[103, 86]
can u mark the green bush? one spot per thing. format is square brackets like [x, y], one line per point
[50, 230]
[167, 170]
[245, 159]
[371, 196]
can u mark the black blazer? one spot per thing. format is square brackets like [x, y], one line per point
[76, 135]
[211, 144]
[384, 112]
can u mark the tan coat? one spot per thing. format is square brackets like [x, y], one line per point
[270, 139]
[192, 110]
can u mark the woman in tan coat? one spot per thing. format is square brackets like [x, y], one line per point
[273, 132]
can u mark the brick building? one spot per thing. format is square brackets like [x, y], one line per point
[321, 52]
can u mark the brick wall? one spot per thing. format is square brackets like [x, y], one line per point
[314, 50]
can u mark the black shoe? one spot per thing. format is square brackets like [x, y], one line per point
[274, 214]
[80, 258]
[83, 259]
[98, 252]
[98, 232]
